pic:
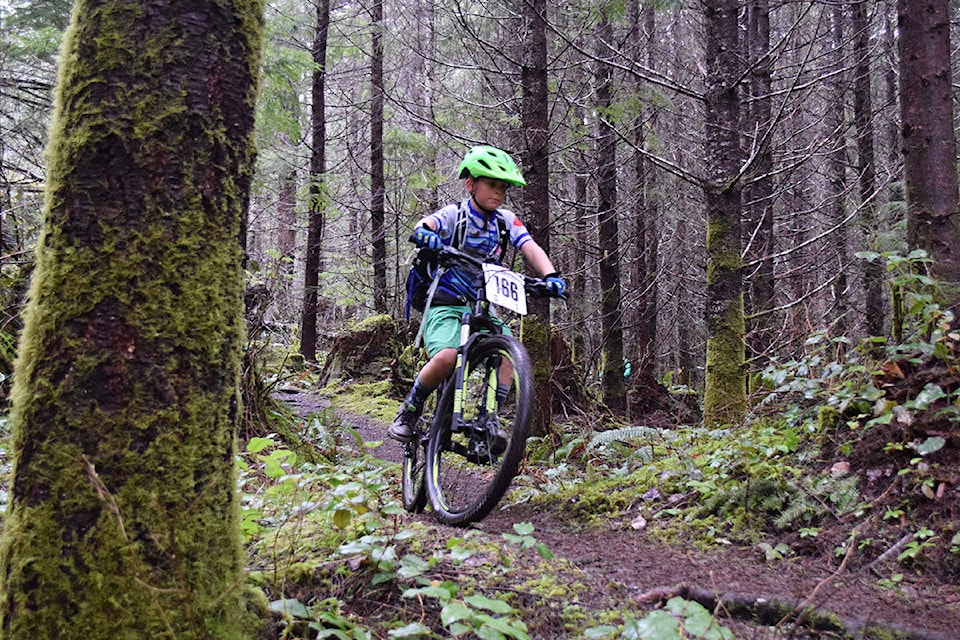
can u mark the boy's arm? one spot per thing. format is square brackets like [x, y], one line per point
[427, 222]
[537, 258]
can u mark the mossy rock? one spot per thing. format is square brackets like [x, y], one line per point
[363, 350]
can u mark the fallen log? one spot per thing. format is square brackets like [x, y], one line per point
[771, 611]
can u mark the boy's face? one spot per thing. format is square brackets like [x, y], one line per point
[489, 193]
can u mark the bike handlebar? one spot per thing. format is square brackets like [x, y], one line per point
[449, 256]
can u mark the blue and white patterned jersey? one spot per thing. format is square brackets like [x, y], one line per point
[481, 239]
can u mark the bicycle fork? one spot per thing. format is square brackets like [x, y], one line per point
[461, 372]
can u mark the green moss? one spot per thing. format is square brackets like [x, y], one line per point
[370, 399]
[597, 501]
[724, 400]
[374, 323]
[828, 418]
[123, 520]
[555, 584]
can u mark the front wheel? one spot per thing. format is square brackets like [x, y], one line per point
[471, 460]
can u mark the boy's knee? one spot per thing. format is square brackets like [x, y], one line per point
[447, 357]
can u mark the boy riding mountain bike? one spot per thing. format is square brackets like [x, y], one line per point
[474, 227]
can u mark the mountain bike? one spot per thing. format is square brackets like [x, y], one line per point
[467, 450]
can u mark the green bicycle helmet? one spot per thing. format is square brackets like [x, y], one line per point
[490, 162]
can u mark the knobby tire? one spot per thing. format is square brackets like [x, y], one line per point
[463, 483]
[414, 466]
[413, 470]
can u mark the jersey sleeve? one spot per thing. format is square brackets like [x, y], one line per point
[519, 235]
[445, 220]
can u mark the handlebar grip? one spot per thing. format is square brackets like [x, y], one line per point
[537, 288]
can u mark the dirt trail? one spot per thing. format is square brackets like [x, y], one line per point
[626, 570]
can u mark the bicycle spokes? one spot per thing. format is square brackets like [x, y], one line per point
[472, 461]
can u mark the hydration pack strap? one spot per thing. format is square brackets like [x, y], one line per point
[426, 305]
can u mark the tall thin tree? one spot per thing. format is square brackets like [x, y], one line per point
[614, 393]
[535, 118]
[645, 206]
[929, 140]
[724, 391]
[317, 200]
[866, 164]
[837, 181]
[377, 180]
[758, 194]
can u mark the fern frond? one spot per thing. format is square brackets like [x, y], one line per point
[627, 434]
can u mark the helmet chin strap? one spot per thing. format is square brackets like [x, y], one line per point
[486, 212]
[473, 198]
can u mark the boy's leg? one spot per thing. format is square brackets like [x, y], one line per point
[410, 409]
[441, 337]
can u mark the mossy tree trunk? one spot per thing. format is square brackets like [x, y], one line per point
[123, 519]
[535, 114]
[613, 388]
[724, 389]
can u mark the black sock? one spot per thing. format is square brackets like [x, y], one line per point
[502, 391]
[419, 394]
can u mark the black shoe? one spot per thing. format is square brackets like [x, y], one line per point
[402, 427]
[498, 436]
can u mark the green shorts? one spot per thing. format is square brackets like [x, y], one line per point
[441, 329]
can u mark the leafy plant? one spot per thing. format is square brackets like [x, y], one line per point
[477, 614]
[323, 619]
[680, 620]
[525, 540]
[922, 539]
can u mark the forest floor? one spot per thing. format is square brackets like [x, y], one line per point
[624, 568]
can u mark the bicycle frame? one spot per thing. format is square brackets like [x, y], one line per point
[477, 437]
[474, 325]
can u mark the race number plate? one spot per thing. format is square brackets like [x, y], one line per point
[505, 288]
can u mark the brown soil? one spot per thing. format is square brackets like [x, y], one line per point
[627, 570]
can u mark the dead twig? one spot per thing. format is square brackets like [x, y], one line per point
[895, 549]
[800, 611]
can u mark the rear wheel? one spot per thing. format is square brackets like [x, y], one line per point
[470, 464]
[414, 464]
[415, 461]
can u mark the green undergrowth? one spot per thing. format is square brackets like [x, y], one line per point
[845, 444]
[338, 557]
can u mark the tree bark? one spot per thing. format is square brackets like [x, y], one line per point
[758, 196]
[536, 166]
[123, 519]
[866, 167]
[929, 141]
[645, 207]
[317, 200]
[613, 390]
[287, 227]
[724, 392]
[377, 181]
[837, 182]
